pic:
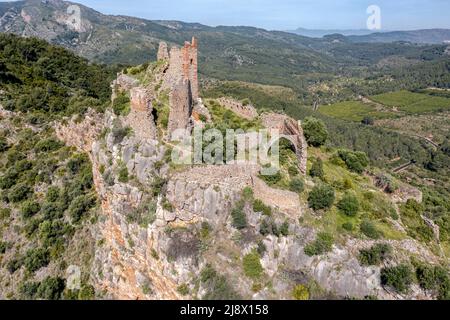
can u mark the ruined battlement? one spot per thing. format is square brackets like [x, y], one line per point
[183, 63]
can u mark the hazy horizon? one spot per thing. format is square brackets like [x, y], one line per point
[286, 14]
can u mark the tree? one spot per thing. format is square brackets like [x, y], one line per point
[375, 255]
[349, 205]
[321, 197]
[316, 170]
[315, 131]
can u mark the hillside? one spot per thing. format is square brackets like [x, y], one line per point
[431, 36]
[102, 190]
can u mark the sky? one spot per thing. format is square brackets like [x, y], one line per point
[286, 14]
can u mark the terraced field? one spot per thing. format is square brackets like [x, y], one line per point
[354, 111]
[413, 103]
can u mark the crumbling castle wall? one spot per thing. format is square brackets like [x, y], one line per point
[247, 112]
[180, 101]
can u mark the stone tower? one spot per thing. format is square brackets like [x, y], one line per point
[183, 63]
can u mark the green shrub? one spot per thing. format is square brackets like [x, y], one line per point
[369, 229]
[297, 185]
[284, 229]
[217, 286]
[87, 292]
[321, 197]
[259, 206]
[121, 104]
[29, 209]
[315, 131]
[434, 278]
[239, 217]
[123, 174]
[300, 292]
[36, 259]
[80, 206]
[273, 179]
[375, 255]
[247, 194]
[48, 145]
[4, 246]
[5, 213]
[19, 193]
[3, 144]
[293, 171]
[183, 289]
[252, 265]
[348, 226]
[53, 194]
[349, 205]
[355, 161]
[51, 289]
[316, 170]
[14, 264]
[399, 277]
[268, 226]
[322, 244]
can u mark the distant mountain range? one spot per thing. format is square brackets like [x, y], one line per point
[226, 53]
[427, 36]
[319, 33]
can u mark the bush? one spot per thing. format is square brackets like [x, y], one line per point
[183, 289]
[322, 244]
[29, 209]
[349, 205]
[375, 255]
[273, 179]
[369, 229]
[121, 104]
[348, 226]
[81, 205]
[293, 171]
[3, 144]
[87, 292]
[123, 174]
[355, 161]
[300, 292]
[48, 145]
[239, 217]
[399, 277]
[268, 226]
[36, 259]
[19, 193]
[284, 229]
[321, 197]
[259, 206]
[316, 170]
[252, 265]
[297, 185]
[51, 289]
[217, 286]
[434, 278]
[315, 131]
